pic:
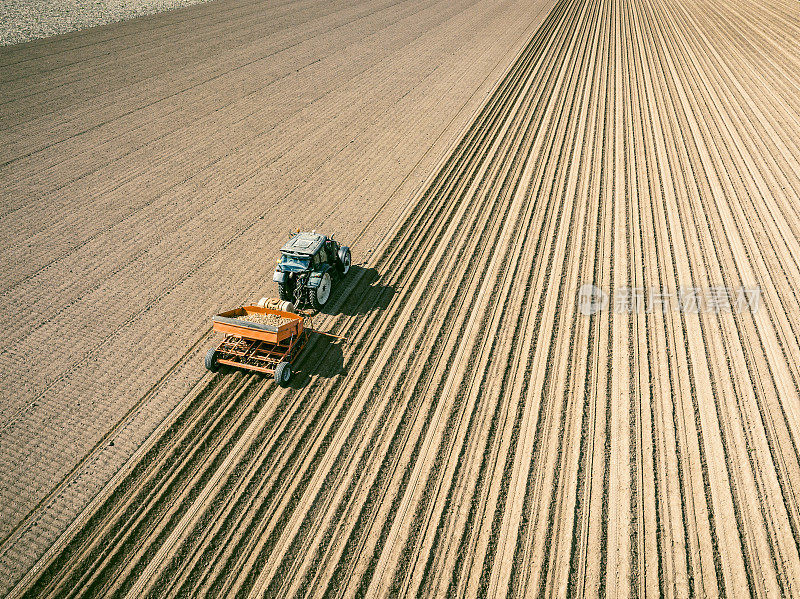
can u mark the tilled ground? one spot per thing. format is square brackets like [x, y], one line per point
[149, 171]
[478, 434]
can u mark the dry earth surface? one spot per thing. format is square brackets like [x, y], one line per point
[149, 172]
[476, 434]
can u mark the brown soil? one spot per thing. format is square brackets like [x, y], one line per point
[477, 434]
[149, 172]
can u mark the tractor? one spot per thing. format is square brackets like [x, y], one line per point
[305, 268]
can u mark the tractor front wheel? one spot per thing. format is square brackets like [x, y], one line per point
[343, 260]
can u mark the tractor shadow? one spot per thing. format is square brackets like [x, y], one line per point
[368, 294]
[322, 357]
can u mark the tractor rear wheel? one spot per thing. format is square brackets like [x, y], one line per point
[320, 295]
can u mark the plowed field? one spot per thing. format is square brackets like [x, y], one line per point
[478, 432]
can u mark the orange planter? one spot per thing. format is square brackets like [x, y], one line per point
[264, 348]
[229, 323]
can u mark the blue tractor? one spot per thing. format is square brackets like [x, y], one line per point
[307, 266]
